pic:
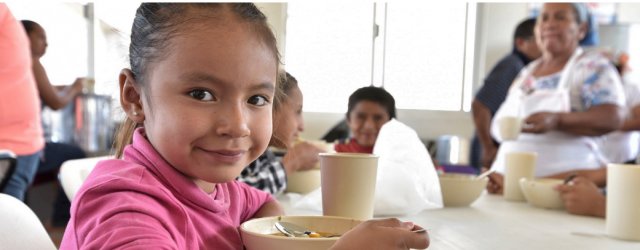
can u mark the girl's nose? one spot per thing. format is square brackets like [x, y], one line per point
[233, 122]
[301, 124]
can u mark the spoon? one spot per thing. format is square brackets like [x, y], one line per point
[293, 230]
[485, 174]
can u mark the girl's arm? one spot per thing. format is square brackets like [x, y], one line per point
[49, 94]
[271, 208]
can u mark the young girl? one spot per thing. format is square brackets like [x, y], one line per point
[269, 172]
[200, 90]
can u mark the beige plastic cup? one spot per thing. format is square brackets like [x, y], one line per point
[348, 184]
[518, 165]
[510, 127]
[623, 202]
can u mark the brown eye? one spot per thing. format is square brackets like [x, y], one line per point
[258, 100]
[201, 95]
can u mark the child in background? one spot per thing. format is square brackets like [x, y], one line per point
[198, 101]
[369, 108]
[269, 172]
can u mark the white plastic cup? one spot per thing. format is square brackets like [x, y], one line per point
[510, 128]
[518, 165]
[623, 202]
[348, 184]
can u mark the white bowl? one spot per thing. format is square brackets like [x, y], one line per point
[460, 190]
[539, 192]
[303, 182]
[257, 233]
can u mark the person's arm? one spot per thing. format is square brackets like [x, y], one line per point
[495, 183]
[49, 94]
[482, 120]
[596, 121]
[271, 208]
[265, 173]
[583, 198]
[634, 123]
[597, 176]
[383, 234]
[302, 156]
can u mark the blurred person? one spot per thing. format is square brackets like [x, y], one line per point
[20, 127]
[494, 91]
[622, 146]
[269, 172]
[568, 99]
[54, 154]
[369, 108]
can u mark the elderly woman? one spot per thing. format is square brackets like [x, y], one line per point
[568, 99]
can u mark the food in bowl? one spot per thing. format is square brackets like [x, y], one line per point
[260, 234]
[539, 192]
[460, 190]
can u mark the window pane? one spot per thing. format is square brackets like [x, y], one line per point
[425, 54]
[66, 56]
[329, 51]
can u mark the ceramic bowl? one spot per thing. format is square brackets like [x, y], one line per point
[460, 190]
[257, 234]
[539, 192]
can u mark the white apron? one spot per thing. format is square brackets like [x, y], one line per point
[557, 151]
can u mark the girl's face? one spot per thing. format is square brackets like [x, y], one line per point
[38, 39]
[288, 122]
[557, 30]
[208, 103]
[366, 120]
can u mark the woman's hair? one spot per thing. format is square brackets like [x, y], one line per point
[155, 25]
[29, 25]
[374, 94]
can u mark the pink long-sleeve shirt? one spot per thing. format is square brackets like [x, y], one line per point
[142, 202]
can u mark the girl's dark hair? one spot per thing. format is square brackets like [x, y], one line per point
[155, 25]
[374, 94]
[29, 25]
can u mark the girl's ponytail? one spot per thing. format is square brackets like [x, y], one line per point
[124, 136]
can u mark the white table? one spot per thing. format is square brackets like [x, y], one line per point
[493, 223]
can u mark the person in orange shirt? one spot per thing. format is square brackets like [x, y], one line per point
[20, 127]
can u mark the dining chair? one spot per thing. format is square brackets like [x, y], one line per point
[8, 162]
[21, 228]
[74, 172]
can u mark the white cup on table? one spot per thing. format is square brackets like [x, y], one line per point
[348, 184]
[518, 165]
[623, 202]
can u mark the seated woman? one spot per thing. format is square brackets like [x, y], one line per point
[622, 146]
[369, 108]
[54, 154]
[568, 99]
[269, 172]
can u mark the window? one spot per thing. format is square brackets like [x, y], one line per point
[422, 48]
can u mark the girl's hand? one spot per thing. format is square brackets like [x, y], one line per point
[383, 234]
[303, 156]
[496, 182]
[541, 122]
[583, 198]
[77, 85]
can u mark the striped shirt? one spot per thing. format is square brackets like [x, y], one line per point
[496, 85]
[265, 173]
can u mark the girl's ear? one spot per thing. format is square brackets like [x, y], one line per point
[130, 97]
